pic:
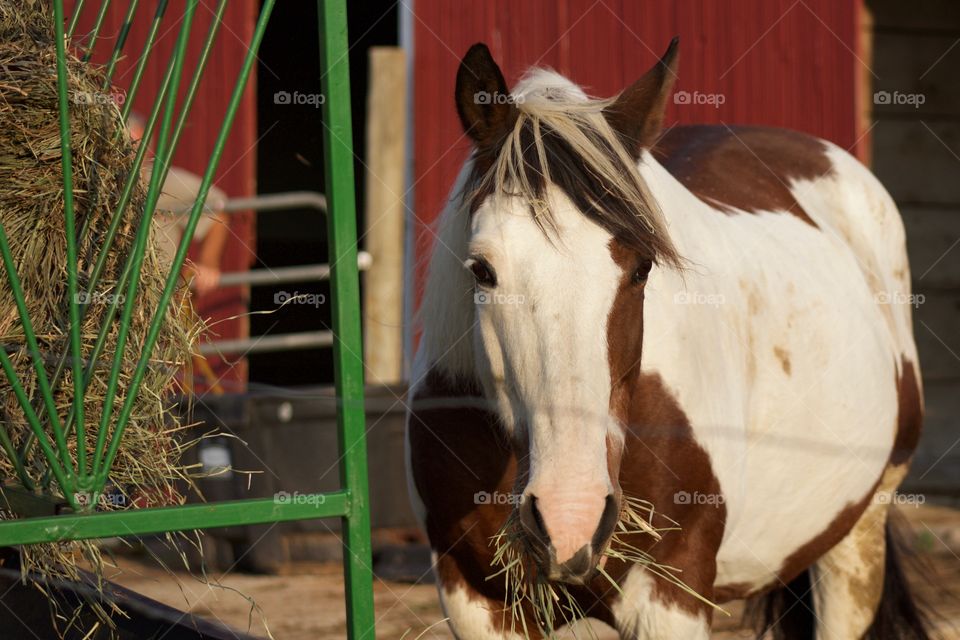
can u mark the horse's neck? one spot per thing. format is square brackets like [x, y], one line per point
[682, 211]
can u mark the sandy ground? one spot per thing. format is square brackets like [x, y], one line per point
[306, 601]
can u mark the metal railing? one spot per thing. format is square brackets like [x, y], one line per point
[277, 275]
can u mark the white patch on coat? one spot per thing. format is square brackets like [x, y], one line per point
[471, 618]
[641, 615]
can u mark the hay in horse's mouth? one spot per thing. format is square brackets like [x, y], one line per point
[552, 603]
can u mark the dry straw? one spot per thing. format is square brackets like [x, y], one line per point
[147, 467]
[551, 603]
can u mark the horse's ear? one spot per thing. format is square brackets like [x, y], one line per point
[482, 96]
[637, 114]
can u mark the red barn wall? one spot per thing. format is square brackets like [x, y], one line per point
[236, 173]
[776, 62]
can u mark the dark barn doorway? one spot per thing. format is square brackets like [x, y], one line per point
[290, 158]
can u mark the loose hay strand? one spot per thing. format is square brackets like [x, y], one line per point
[547, 599]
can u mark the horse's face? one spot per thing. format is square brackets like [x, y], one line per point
[542, 310]
[558, 320]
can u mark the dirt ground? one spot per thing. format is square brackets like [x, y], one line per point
[306, 601]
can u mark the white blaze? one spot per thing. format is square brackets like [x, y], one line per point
[541, 340]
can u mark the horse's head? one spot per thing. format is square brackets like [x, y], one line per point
[564, 236]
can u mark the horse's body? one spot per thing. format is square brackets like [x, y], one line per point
[774, 411]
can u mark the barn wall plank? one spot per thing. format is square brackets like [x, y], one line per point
[933, 244]
[923, 65]
[936, 465]
[918, 161]
[935, 328]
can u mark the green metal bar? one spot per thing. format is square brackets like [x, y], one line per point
[191, 225]
[121, 42]
[183, 518]
[63, 478]
[107, 242]
[104, 7]
[345, 283]
[136, 258]
[125, 196]
[11, 452]
[66, 162]
[142, 63]
[75, 18]
[34, 349]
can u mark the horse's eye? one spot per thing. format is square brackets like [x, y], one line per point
[641, 272]
[482, 272]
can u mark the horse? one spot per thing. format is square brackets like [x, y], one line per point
[709, 319]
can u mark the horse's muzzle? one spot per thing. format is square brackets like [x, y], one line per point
[582, 566]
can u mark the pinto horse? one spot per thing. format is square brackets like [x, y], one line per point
[706, 319]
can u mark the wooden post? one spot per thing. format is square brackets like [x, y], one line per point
[385, 229]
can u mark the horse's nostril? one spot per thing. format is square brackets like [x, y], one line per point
[608, 521]
[532, 520]
[581, 563]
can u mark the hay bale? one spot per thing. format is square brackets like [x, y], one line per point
[32, 214]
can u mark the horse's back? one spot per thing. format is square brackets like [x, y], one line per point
[742, 168]
[755, 169]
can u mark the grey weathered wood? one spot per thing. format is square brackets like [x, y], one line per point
[935, 325]
[385, 213]
[918, 164]
[911, 64]
[928, 15]
[933, 244]
[936, 465]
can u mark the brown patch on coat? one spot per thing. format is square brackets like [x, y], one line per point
[743, 168]
[784, 357]
[456, 451]
[798, 561]
[909, 414]
[662, 460]
[664, 464]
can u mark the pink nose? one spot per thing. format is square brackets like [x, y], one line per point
[567, 543]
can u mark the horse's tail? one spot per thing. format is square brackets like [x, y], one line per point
[785, 613]
[788, 613]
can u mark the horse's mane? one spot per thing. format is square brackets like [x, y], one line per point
[561, 136]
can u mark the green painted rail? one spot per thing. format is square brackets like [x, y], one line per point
[82, 482]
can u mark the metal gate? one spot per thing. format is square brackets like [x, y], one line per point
[88, 474]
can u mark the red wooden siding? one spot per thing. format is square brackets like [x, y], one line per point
[776, 62]
[236, 173]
